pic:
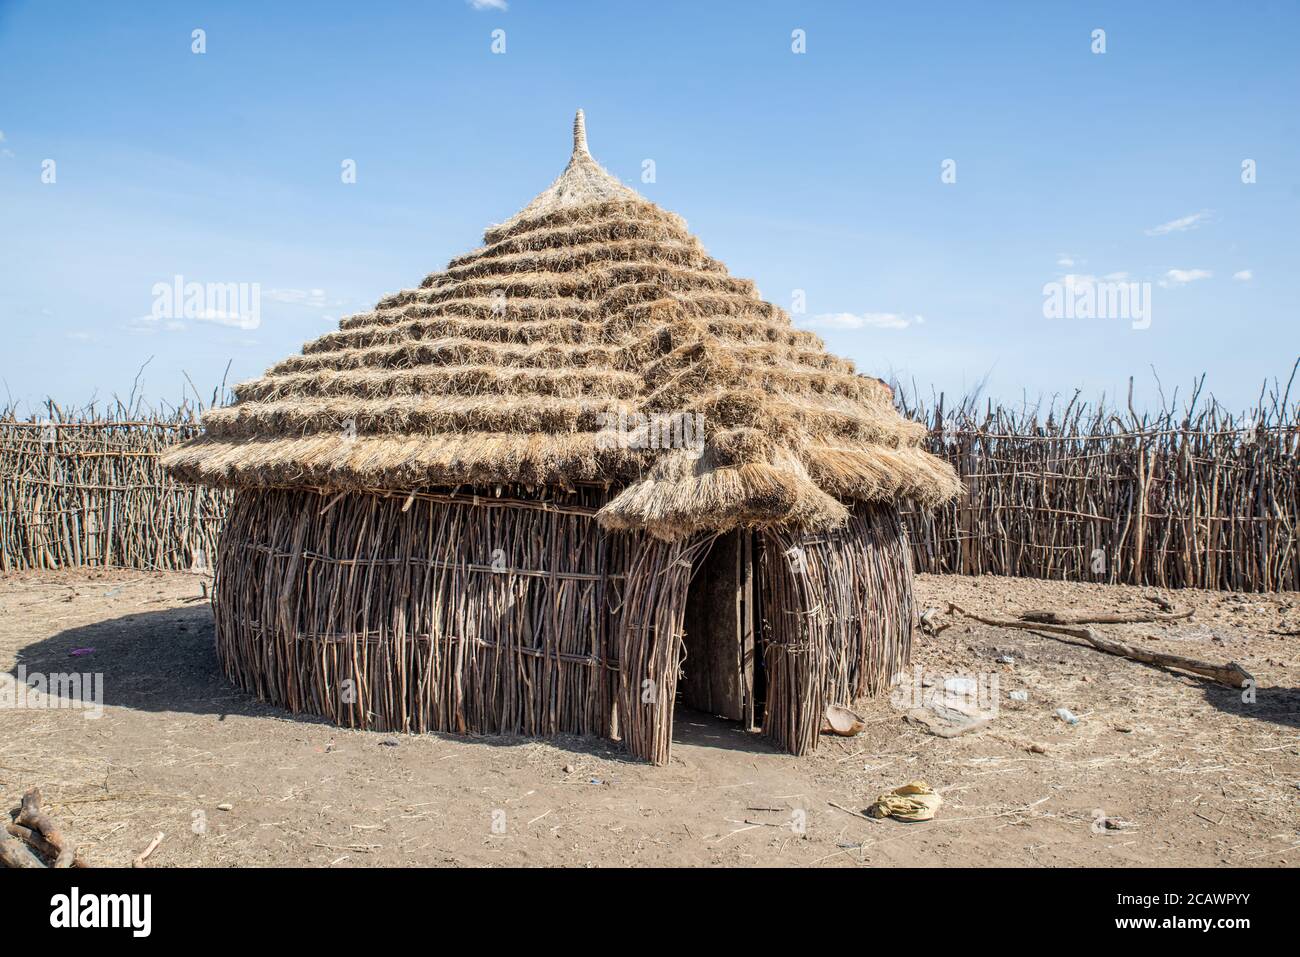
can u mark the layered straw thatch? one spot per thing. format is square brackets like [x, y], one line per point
[516, 364]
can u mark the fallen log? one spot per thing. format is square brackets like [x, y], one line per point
[31, 816]
[13, 853]
[1232, 674]
[1101, 618]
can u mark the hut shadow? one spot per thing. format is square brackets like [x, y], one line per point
[155, 661]
[166, 661]
[703, 730]
[1280, 706]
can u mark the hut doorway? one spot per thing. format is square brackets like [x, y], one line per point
[722, 673]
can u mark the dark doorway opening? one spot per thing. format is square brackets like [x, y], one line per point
[723, 671]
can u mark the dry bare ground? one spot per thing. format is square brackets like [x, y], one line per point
[1185, 771]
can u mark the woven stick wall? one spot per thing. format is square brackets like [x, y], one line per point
[837, 619]
[1203, 499]
[1222, 506]
[434, 612]
[90, 492]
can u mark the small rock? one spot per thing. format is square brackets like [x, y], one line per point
[569, 769]
[964, 687]
[1007, 660]
[1020, 696]
[1066, 715]
[1038, 748]
[389, 743]
[225, 807]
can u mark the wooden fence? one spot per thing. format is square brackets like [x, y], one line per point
[1202, 500]
[1207, 499]
[90, 492]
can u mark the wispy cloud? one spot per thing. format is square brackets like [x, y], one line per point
[860, 320]
[1181, 225]
[1181, 277]
[1243, 275]
[489, 4]
[232, 320]
[314, 298]
[1065, 259]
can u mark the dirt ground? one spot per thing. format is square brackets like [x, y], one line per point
[1161, 768]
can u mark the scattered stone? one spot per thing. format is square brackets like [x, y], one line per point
[1019, 696]
[389, 743]
[569, 769]
[964, 687]
[949, 718]
[225, 807]
[1068, 716]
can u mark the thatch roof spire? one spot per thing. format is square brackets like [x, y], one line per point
[542, 359]
[580, 135]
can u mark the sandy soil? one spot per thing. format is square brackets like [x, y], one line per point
[1185, 772]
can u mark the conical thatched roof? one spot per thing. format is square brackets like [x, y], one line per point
[514, 364]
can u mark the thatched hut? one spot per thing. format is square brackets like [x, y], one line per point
[577, 464]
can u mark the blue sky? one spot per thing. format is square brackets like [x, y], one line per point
[817, 171]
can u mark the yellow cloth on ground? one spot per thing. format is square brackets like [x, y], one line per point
[914, 801]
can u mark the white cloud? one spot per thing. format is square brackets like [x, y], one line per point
[217, 317]
[1074, 280]
[1065, 259]
[1180, 225]
[489, 5]
[7, 153]
[853, 320]
[232, 319]
[1181, 277]
[2, 136]
[315, 298]
[1243, 275]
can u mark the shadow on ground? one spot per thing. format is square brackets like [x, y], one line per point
[1279, 706]
[166, 661]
